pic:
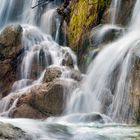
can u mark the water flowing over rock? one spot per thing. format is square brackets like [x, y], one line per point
[119, 13]
[40, 79]
[39, 52]
[44, 100]
[54, 72]
[102, 35]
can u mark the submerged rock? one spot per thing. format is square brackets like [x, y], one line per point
[92, 117]
[9, 132]
[104, 34]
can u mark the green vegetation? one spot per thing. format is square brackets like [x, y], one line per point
[84, 16]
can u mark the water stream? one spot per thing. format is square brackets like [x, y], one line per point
[97, 110]
[115, 6]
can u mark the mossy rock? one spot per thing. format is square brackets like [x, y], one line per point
[84, 16]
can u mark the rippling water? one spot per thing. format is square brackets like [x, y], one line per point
[44, 130]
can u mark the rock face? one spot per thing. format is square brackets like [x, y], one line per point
[9, 132]
[10, 53]
[135, 90]
[44, 100]
[125, 12]
[84, 16]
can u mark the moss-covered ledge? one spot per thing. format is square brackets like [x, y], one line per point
[85, 15]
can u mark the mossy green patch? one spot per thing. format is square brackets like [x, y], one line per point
[84, 14]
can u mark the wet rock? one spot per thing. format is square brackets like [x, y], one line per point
[68, 61]
[44, 100]
[84, 16]
[10, 54]
[37, 67]
[124, 14]
[104, 34]
[54, 72]
[134, 95]
[76, 75]
[26, 111]
[9, 132]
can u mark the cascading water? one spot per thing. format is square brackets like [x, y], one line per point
[101, 85]
[104, 89]
[40, 51]
[115, 6]
[48, 20]
[101, 91]
[135, 21]
[111, 28]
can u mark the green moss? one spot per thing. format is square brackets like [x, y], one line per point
[83, 17]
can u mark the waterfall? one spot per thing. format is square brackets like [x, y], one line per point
[135, 20]
[112, 26]
[44, 16]
[101, 102]
[106, 88]
[40, 52]
[115, 8]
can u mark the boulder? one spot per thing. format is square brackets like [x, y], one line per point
[104, 34]
[67, 60]
[10, 56]
[54, 72]
[9, 132]
[44, 100]
[26, 111]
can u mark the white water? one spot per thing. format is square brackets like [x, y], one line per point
[106, 33]
[106, 88]
[40, 52]
[103, 31]
[101, 91]
[135, 21]
[64, 130]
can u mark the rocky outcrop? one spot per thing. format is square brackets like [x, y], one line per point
[44, 100]
[54, 72]
[84, 16]
[40, 101]
[9, 132]
[10, 53]
[83, 19]
[135, 90]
